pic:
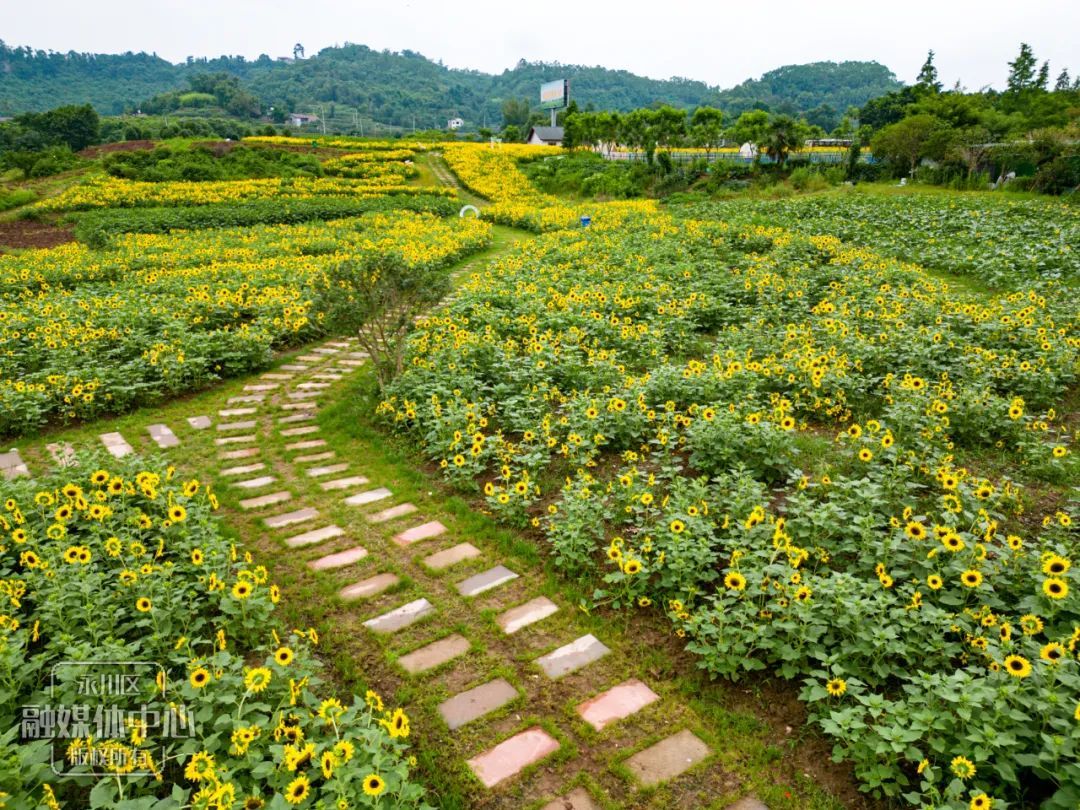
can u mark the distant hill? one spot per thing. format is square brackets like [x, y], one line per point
[394, 87]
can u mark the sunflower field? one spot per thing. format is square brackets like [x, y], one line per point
[88, 332]
[122, 562]
[817, 460]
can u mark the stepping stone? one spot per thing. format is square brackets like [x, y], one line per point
[523, 615]
[311, 358]
[272, 375]
[748, 803]
[246, 398]
[266, 500]
[164, 437]
[512, 756]
[310, 386]
[306, 445]
[326, 375]
[296, 406]
[451, 556]
[289, 518]
[424, 531]
[338, 559]
[314, 457]
[62, 453]
[338, 344]
[485, 581]
[400, 510]
[296, 417]
[237, 411]
[245, 425]
[303, 394]
[12, 465]
[115, 444]
[324, 350]
[572, 657]
[353, 363]
[576, 799]
[344, 483]
[199, 422]
[616, 703]
[235, 439]
[301, 431]
[400, 617]
[366, 588]
[372, 495]
[255, 483]
[314, 536]
[262, 387]
[668, 758]
[294, 367]
[315, 472]
[475, 703]
[246, 452]
[434, 654]
[244, 469]
[359, 355]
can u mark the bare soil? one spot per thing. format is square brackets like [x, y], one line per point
[26, 233]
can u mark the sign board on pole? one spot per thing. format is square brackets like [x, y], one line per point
[555, 95]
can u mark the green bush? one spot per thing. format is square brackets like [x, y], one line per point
[13, 198]
[201, 163]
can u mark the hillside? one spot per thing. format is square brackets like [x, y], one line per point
[395, 87]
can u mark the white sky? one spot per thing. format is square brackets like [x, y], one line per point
[720, 43]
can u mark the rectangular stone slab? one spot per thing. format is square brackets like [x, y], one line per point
[164, 437]
[298, 406]
[303, 394]
[329, 469]
[400, 617]
[266, 500]
[434, 654]
[424, 531]
[451, 556]
[307, 416]
[12, 465]
[199, 422]
[370, 496]
[475, 703]
[512, 756]
[116, 444]
[572, 657]
[237, 411]
[246, 424]
[668, 758]
[338, 559]
[243, 469]
[309, 444]
[300, 431]
[353, 363]
[246, 452]
[255, 483]
[392, 512]
[262, 387]
[275, 375]
[314, 536]
[523, 615]
[294, 367]
[326, 376]
[235, 439]
[310, 358]
[616, 703]
[289, 518]
[62, 453]
[314, 457]
[246, 398]
[367, 588]
[344, 483]
[485, 581]
[324, 350]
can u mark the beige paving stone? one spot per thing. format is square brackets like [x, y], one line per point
[289, 518]
[424, 531]
[199, 422]
[572, 657]
[338, 559]
[243, 469]
[314, 457]
[246, 424]
[162, 436]
[329, 469]
[307, 444]
[668, 758]
[294, 367]
[300, 431]
[62, 453]
[311, 358]
[370, 496]
[434, 654]
[265, 500]
[255, 483]
[401, 617]
[344, 483]
[312, 386]
[314, 536]
[307, 416]
[616, 703]
[116, 444]
[390, 513]
[748, 803]
[246, 452]
[451, 556]
[476, 702]
[523, 615]
[366, 588]
[238, 400]
[327, 375]
[276, 375]
[485, 581]
[298, 406]
[12, 465]
[353, 363]
[237, 411]
[512, 756]
[259, 387]
[303, 394]
[235, 439]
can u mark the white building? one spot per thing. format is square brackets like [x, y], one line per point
[455, 123]
[299, 119]
[545, 136]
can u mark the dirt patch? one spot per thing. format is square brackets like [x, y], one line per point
[119, 146]
[26, 233]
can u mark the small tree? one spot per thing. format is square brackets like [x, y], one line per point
[783, 136]
[928, 75]
[1022, 70]
[378, 299]
[706, 128]
[904, 142]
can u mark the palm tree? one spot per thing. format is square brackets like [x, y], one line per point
[783, 136]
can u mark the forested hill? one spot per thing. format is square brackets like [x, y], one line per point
[393, 87]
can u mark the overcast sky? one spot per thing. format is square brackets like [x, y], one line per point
[721, 43]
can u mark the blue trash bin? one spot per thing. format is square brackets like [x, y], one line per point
[585, 221]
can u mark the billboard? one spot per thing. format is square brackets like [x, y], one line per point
[554, 95]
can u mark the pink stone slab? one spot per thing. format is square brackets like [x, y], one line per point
[366, 588]
[748, 803]
[339, 559]
[343, 483]
[62, 453]
[616, 703]
[523, 615]
[512, 756]
[265, 500]
[309, 444]
[434, 654]
[668, 758]
[294, 367]
[401, 617]
[329, 469]
[255, 483]
[392, 512]
[276, 375]
[424, 531]
[475, 703]
[314, 457]
[300, 431]
[244, 469]
[451, 556]
[12, 465]
[311, 386]
[247, 452]
[370, 496]
[303, 394]
[314, 536]
[289, 518]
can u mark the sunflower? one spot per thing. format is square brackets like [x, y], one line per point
[934, 582]
[196, 556]
[99, 477]
[836, 686]
[297, 790]
[632, 567]
[283, 656]
[677, 526]
[953, 542]
[275, 594]
[1052, 652]
[1055, 565]
[1017, 666]
[735, 581]
[865, 455]
[327, 762]
[1031, 624]
[1055, 588]
[962, 767]
[398, 724]
[971, 578]
[143, 604]
[241, 590]
[199, 677]
[980, 801]
[915, 530]
[257, 679]
[374, 784]
[787, 423]
[200, 766]
[177, 513]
